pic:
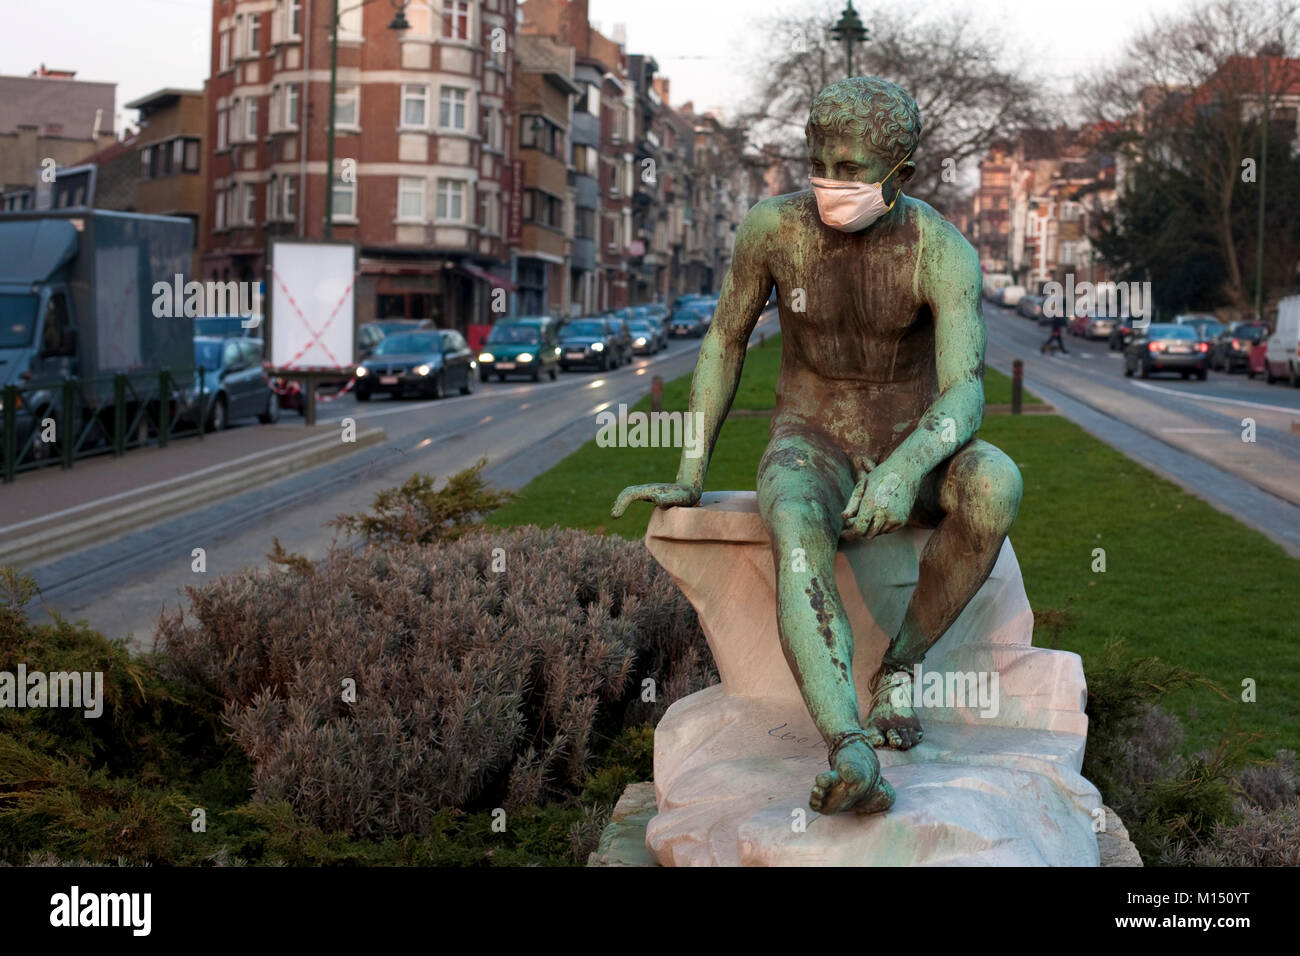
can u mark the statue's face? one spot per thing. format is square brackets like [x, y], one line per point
[852, 159]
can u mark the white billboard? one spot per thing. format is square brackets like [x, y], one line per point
[312, 298]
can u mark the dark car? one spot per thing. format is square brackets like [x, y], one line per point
[389, 326]
[368, 337]
[425, 363]
[688, 320]
[645, 336]
[622, 337]
[1231, 350]
[228, 326]
[1164, 347]
[233, 382]
[1030, 306]
[588, 342]
[520, 347]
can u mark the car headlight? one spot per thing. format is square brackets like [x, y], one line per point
[486, 357]
[362, 372]
[557, 350]
[598, 347]
[422, 370]
[640, 341]
[525, 356]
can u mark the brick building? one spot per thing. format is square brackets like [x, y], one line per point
[423, 146]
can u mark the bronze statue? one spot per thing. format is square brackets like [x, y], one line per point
[878, 400]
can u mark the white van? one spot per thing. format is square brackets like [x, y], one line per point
[1282, 352]
[994, 281]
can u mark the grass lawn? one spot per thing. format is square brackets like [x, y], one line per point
[1182, 582]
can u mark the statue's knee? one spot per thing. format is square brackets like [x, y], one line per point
[993, 494]
[798, 524]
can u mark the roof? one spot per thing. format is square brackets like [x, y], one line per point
[56, 106]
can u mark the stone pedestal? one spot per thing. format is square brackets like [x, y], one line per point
[994, 782]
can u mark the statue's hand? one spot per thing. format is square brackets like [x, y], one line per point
[881, 502]
[663, 495]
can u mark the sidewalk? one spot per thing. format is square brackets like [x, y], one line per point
[51, 510]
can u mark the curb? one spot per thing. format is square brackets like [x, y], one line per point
[57, 539]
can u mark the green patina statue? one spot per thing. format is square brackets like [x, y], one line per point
[878, 400]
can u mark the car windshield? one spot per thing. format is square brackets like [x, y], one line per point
[17, 320]
[585, 328]
[408, 342]
[405, 325]
[639, 325]
[1171, 332]
[1209, 328]
[513, 335]
[207, 355]
[223, 326]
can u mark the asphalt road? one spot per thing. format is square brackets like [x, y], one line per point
[1191, 432]
[522, 428]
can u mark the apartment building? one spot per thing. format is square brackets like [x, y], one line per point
[423, 119]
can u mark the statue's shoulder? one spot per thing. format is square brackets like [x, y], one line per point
[772, 212]
[942, 242]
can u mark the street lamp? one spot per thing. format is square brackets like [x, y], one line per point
[399, 24]
[849, 30]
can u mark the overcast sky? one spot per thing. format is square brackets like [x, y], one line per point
[145, 45]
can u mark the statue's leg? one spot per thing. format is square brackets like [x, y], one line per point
[971, 501]
[804, 481]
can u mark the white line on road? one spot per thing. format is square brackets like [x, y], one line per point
[1212, 398]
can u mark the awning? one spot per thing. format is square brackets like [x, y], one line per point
[486, 276]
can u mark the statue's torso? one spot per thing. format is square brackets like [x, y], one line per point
[859, 360]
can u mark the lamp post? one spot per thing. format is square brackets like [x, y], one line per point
[399, 24]
[849, 30]
[1263, 188]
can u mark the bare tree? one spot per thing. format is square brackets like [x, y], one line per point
[1188, 94]
[969, 94]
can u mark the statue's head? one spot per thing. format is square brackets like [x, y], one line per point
[859, 129]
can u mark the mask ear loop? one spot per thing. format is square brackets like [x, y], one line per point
[881, 184]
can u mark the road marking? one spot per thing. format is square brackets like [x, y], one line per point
[1212, 398]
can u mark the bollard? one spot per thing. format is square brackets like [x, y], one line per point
[657, 394]
[1017, 386]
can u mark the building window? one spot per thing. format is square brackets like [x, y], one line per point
[223, 45]
[420, 17]
[254, 34]
[346, 106]
[345, 199]
[250, 203]
[415, 106]
[586, 161]
[291, 106]
[295, 18]
[451, 200]
[410, 198]
[350, 23]
[250, 127]
[273, 198]
[584, 224]
[537, 132]
[221, 129]
[491, 206]
[191, 162]
[290, 205]
[543, 208]
[452, 102]
[220, 206]
[455, 19]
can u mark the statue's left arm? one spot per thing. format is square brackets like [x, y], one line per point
[949, 281]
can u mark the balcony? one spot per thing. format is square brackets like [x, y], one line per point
[583, 256]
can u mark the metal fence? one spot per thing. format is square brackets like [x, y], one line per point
[43, 425]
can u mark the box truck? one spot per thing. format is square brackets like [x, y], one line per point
[77, 302]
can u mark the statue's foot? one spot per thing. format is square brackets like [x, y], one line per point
[892, 722]
[853, 782]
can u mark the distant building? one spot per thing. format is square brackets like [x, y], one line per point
[48, 120]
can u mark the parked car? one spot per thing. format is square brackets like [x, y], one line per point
[1257, 360]
[520, 347]
[660, 326]
[1166, 347]
[1099, 326]
[993, 281]
[1010, 295]
[1282, 348]
[1191, 318]
[688, 320]
[389, 326]
[622, 338]
[422, 363]
[1030, 306]
[228, 326]
[233, 382]
[1231, 349]
[589, 341]
[1120, 334]
[1208, 330]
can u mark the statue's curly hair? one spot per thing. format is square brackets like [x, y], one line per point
[877, 110]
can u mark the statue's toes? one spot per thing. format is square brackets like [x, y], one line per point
[895, 739]
[875, 737]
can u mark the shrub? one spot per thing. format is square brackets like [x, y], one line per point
[487, 670]
[415, 513]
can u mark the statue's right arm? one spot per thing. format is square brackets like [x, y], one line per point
[745, 291]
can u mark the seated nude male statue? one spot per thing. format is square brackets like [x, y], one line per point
[879, 396]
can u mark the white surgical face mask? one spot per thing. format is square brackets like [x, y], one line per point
[849, 206]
